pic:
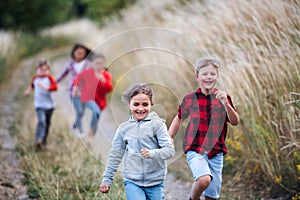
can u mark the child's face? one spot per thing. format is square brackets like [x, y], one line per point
[207, 78]
[43, 71]
[99, 64]
[79, 54]
[140, 106]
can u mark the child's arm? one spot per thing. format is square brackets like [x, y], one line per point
[114, 160]
[28, 91]
[63, 74]
[105, 84]
[43, 86]
[233, 116]
[173, 129]
[51, 87]
[53, 84]
[166, 150]
[30, 87]
[75, 91]
[76, 83]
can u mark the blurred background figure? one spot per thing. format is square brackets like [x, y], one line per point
[43, 84]
[77, 64]
[91, 86]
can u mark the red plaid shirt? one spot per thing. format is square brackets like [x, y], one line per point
[207, 128]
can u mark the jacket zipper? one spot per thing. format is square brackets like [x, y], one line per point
[139, 144]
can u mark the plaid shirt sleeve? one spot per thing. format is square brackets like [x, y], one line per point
[185, 106]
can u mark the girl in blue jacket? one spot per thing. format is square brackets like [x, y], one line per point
[144, 145]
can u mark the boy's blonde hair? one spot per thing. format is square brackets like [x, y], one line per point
[206, 61]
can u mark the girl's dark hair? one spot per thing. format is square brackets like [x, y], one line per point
[135, 90]
[78, 45]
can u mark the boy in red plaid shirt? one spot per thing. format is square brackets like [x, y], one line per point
[209, 111]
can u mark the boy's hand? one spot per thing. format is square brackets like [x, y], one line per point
[222, 96]
[104, 188]
[145, 153]
[41, 85]
[27, 92]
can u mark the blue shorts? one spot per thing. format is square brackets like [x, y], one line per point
[200, 166]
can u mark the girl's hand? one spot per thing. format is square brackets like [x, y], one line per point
[145, 153]
[75, 91]
[104, 188]
[222, 96]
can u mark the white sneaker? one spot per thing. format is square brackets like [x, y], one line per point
[76, 132]
[80, 135]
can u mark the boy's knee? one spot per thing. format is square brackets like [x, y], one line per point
[203, 181]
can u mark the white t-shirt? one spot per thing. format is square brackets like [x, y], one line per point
[43, 98]
[78, 66]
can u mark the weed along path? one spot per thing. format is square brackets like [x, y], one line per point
[175, 189]
[11, 173]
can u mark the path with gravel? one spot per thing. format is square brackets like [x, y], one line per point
[11, 173]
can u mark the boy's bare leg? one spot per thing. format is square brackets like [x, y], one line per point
[208, 198]
[199, 186]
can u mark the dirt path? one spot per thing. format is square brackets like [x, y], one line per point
[11, 173]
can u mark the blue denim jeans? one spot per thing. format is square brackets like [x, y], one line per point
[92, 105]
[79, 109]
[134, 192]
[43, 125]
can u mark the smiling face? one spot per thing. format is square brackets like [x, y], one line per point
[140, 106]
[207, 78]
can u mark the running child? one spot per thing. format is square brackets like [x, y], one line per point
[43, 85]
[144, 145]
[209, 110]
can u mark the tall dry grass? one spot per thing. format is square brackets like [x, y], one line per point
[257, 43]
